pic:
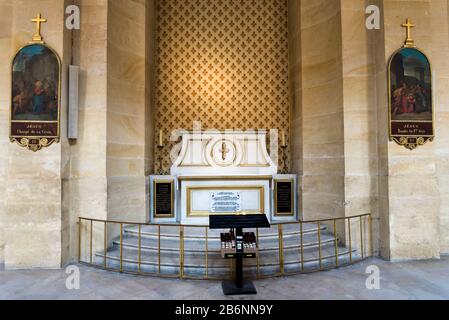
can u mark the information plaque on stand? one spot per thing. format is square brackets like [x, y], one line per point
[236, 243]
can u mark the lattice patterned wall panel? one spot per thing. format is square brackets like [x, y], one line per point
[222, 62]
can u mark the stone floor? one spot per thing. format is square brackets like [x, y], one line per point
[408, 280]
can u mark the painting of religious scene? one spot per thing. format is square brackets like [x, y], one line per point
[411, 86]
[35, 84]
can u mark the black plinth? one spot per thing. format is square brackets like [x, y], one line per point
[238, 222]
[230, 289]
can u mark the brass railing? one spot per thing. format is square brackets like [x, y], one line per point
[331, 243]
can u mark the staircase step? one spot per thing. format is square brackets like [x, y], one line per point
[166, 260]
[195, 233]
[308, 242]
[225, 266]
[214, 257]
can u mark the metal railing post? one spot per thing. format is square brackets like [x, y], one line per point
[105, 246]
[371, 235]
[91, 240]
[281, 248]
[121, 247]
[258, 253]
[350, 240]
[207, 252]
[140, 250]
[159, 249]
[181, 245]
[361, 238]
[320, 254]
[336, 243]
[79, 240]
[301, 229]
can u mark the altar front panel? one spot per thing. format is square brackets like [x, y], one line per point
[196, 198]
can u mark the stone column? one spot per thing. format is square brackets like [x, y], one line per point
[410, 182]
[33, 219]
[408, 185]
[359, 117]
[349, 165]
[5, 93]
[127, 118]
[110, 159]
[294, 20]
[87, 185]
[322, 109]
[440, 30]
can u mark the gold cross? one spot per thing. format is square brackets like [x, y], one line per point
[224, 151]
[38, 20]
[408, 25]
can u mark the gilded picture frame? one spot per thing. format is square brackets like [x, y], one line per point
[35, 108]
[201, 214]
[410, 98]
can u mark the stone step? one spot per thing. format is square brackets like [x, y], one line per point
[166, 260]
[308, 242]
[222, 267]
[200, 256]
[194, 233]
[214, 256]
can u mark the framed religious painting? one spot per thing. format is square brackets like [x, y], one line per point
[410, 96]
[35, 97]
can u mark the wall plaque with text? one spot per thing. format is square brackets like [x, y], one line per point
[284, 198]
[163, 197]
[225, 202]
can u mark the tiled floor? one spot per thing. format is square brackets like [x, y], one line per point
[408, 280]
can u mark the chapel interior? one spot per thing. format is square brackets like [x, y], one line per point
[152, 69]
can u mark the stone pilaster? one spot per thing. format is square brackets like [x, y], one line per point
[322, 109]
[127, 118]
[33, 221]
[409, 180]
[5, 93]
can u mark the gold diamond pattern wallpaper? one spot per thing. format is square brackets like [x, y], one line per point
[224, 63]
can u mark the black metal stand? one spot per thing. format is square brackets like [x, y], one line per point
[230, 289]
[239, 286]
[238, 222]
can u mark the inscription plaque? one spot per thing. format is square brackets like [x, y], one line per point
[283, 198]
[164, 199]
[225, 202]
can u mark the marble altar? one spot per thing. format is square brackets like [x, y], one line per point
[234, 166]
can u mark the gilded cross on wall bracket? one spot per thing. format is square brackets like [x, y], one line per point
[37, 38]
[408, 25]
[411, 112]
